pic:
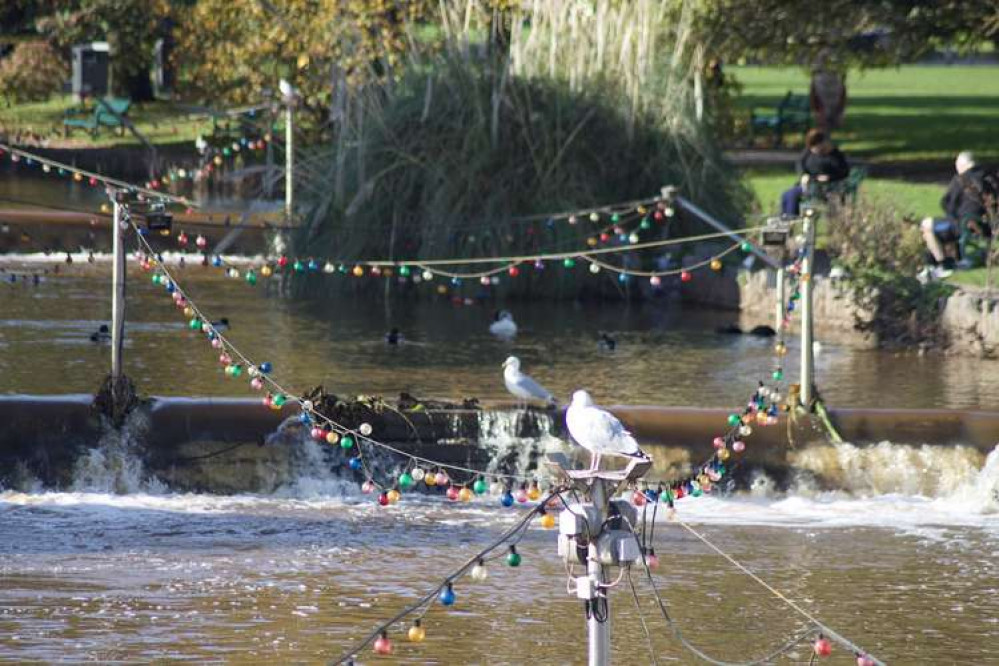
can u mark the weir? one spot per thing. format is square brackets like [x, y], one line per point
[235, 445]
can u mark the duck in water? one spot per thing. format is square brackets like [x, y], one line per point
[393, 337]
[606, 342]
[503, 325]
[102, 334]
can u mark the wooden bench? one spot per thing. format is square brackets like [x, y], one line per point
[793, 112]
[106, 113]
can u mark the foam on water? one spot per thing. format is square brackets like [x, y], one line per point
[503, 433]
[884, 485]
[889, 491]
[113, 465]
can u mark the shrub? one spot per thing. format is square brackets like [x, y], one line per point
[31, 73]
[882, 251]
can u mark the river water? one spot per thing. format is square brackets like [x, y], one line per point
[909, 570]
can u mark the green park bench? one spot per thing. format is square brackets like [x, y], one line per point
[106, 113]
[793, 112]
[843, 190]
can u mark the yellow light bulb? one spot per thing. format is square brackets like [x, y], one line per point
[716, 264]
[394, 496]
[358, 271]
[548, 521]
[266, 271]
[417, 633]
[332, 437]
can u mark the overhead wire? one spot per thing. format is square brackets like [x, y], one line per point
[513, 536]
[266, 377]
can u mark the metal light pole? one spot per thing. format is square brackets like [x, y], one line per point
[290, 96]
[807, 356]
[779, 309]
[599, 617]
[598, 534]
[117, 289]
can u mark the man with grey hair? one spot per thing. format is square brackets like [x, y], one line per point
[964, 203]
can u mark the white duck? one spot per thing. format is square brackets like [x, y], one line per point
[503, 326]
[522, 386]
[599, 431]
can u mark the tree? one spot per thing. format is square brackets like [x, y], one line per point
[858, 32]
[130, 27]
[235, 50]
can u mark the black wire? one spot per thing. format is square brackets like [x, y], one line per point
[784, 648]
[516, 532]
[641, 618]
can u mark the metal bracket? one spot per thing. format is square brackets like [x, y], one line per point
[582, 479]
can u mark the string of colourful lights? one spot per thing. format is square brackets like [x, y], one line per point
[443, 593]
[332, 432]
[327, 429]
[508, 264]
[93, 179]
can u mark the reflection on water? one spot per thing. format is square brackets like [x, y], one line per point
[665, 355]
[246, 580]
[23, 187]
[147, 576]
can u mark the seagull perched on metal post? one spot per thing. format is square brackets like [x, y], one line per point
[599, 431]
[522, 386]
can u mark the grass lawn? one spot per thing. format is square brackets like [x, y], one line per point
[160, 122]
[910, 199]
[911, 114]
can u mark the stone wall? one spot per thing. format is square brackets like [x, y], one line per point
[970, 320]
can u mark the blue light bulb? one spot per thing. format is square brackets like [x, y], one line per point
[507, 499]
[446, 596]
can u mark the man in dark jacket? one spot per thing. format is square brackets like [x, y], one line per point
[964, 204]
[821, 163]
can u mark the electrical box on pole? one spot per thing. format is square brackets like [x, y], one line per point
[598, 534]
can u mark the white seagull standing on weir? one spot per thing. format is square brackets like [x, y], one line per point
[504, 326]
[522, 386]
[599, 431]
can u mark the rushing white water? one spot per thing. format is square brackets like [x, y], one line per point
[502, 432]
[949, 490]
[114, 466]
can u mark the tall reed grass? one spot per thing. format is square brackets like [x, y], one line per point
[563, 104]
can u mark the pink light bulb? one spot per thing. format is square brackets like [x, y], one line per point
[256, 384]
[520, 495]
[718, 443]
[653, 561]
[441, 479]
[739, 446]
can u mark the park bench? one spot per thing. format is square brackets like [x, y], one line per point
[793, 112]
[106, 113]
[840, 191]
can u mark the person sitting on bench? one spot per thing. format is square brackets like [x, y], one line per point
[964, 205]
[821, 163]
